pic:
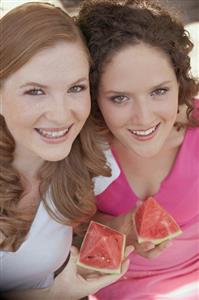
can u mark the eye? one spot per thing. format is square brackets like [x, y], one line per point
[35, 92]
[119, 99]
[159, 92]
[77, 89]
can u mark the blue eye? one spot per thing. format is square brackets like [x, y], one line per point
[35, 92]
[119, 99]
[159, 92]
[77, 89]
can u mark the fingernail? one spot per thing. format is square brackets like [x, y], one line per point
[131, 249]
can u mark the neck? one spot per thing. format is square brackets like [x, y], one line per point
[128, 158]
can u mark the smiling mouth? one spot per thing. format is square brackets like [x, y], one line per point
[145, 133]
[53, 133]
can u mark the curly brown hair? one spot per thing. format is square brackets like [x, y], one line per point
[110, 25]
[26, 30]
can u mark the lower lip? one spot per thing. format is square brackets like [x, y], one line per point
[147, 137]
[57, 140]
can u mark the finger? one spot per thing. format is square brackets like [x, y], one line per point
[93, 275]
[143, 247]
[74, 251]
[165, 245]
[125, 266]
[154, 253]
[128, 250]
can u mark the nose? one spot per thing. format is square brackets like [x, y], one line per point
[142, 111]
[58, 110]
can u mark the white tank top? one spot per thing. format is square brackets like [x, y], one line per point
[44, 251]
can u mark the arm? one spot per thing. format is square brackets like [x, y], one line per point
[69, 284]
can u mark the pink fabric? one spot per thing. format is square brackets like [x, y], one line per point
[175, 273]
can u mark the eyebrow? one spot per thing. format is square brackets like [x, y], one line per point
[33, 83]
[154, 87]
[161, 84]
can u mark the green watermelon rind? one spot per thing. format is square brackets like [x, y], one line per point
[105, 270]
[158, 241]
[101, 270]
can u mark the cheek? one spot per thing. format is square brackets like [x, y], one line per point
[83, 109]
[168, 109]
[114, 118]
[19, 120]
[171, 112]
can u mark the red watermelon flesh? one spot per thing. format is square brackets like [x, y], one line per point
[102, 249]
[154, 223]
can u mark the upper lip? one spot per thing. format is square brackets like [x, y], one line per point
[141, 129]
[54, 129]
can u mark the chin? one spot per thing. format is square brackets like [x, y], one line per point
[53, 157]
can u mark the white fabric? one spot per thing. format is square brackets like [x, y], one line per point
[44, 251]
[101, 183]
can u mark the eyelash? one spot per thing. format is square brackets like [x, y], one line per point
[34, 92]
[39, 92]
[80, 89]
[160, 92]
[119, 99]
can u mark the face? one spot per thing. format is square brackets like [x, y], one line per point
[47, 101]
[138, 97]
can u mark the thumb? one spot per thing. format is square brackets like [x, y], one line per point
[74, 252]
[72, 263]
[129, 249]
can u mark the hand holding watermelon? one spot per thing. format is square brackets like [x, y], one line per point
[154, 228]
[83, 285]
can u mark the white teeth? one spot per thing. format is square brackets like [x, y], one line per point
[53, 134]
[144, 132]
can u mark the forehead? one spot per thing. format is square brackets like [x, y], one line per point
[67, 59]
[139, 56]
[137, 53]
[61, 50]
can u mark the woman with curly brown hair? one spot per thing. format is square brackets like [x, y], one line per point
[46, 164]
[143, 99]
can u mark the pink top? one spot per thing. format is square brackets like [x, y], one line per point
[175, 273]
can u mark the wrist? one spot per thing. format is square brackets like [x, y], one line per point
[55, 292]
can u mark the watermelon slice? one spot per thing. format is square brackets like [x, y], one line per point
[102, 249]
[153, 223]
